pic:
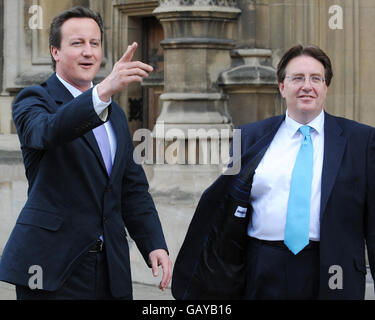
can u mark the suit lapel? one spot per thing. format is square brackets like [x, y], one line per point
[90, 139]
[334, 147]
[57, 90]
[241, 184]
[257, 150]
[62, 95]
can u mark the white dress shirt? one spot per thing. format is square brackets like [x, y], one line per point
[271, 183]
[101, 108]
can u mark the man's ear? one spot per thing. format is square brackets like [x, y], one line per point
[55, 53]
[281, 88]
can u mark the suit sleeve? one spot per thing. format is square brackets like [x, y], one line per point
[370, 203]
[138, 209]
[42, 125]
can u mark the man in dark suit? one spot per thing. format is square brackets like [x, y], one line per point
[293, 224]
[70, 241]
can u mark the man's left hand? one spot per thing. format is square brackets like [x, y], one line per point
[158, 258]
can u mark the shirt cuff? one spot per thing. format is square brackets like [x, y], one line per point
[101, 107]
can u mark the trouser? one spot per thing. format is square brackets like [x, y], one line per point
[89, 280]
[274, 273]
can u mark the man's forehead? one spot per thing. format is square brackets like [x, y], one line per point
[80, 26]
[302, 64]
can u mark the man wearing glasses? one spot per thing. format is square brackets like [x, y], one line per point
[311, 195]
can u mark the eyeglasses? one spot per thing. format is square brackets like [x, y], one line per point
[300, 79]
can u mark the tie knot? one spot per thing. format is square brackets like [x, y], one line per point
[305, 130]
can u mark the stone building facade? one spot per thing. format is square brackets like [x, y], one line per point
[215, 68]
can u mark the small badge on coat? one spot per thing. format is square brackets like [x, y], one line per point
[240, 212]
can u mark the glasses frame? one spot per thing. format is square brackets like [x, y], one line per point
[322, 79]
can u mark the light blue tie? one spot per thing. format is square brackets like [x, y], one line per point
[296, 235]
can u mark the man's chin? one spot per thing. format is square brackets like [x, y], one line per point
[87, 77]
[307, 107]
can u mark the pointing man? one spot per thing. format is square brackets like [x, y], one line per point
[84, 186]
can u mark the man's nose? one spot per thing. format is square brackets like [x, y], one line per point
[87, 50]
[307, 85]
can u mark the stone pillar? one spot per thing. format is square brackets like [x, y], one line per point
[198, 38]
[251, 84]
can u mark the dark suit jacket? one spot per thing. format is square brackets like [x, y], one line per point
[347, 218]
[71, 199]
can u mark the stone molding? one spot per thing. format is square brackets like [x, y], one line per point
[251, 68]
[218, 3]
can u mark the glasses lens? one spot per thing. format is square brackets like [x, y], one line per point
[301, 79]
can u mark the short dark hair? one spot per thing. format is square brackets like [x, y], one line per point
[309, 50]
[58, 21]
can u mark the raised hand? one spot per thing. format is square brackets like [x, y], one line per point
[124, 72]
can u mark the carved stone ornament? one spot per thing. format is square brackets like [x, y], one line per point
[219, 3]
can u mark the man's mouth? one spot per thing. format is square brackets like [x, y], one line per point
[306, 96]
[86, 65]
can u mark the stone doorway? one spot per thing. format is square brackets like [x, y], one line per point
[152, 87]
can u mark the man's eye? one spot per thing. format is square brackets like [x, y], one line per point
[315, 79]
[76, 43]
[298, 78]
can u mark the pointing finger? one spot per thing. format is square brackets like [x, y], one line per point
[139, 65]
[128, 55]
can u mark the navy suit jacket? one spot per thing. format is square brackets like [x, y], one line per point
[347, 216]
[71, 199]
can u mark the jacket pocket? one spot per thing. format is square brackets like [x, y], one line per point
[40, 218]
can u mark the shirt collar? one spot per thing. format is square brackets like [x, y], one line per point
[72, 89]
[317, 124]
